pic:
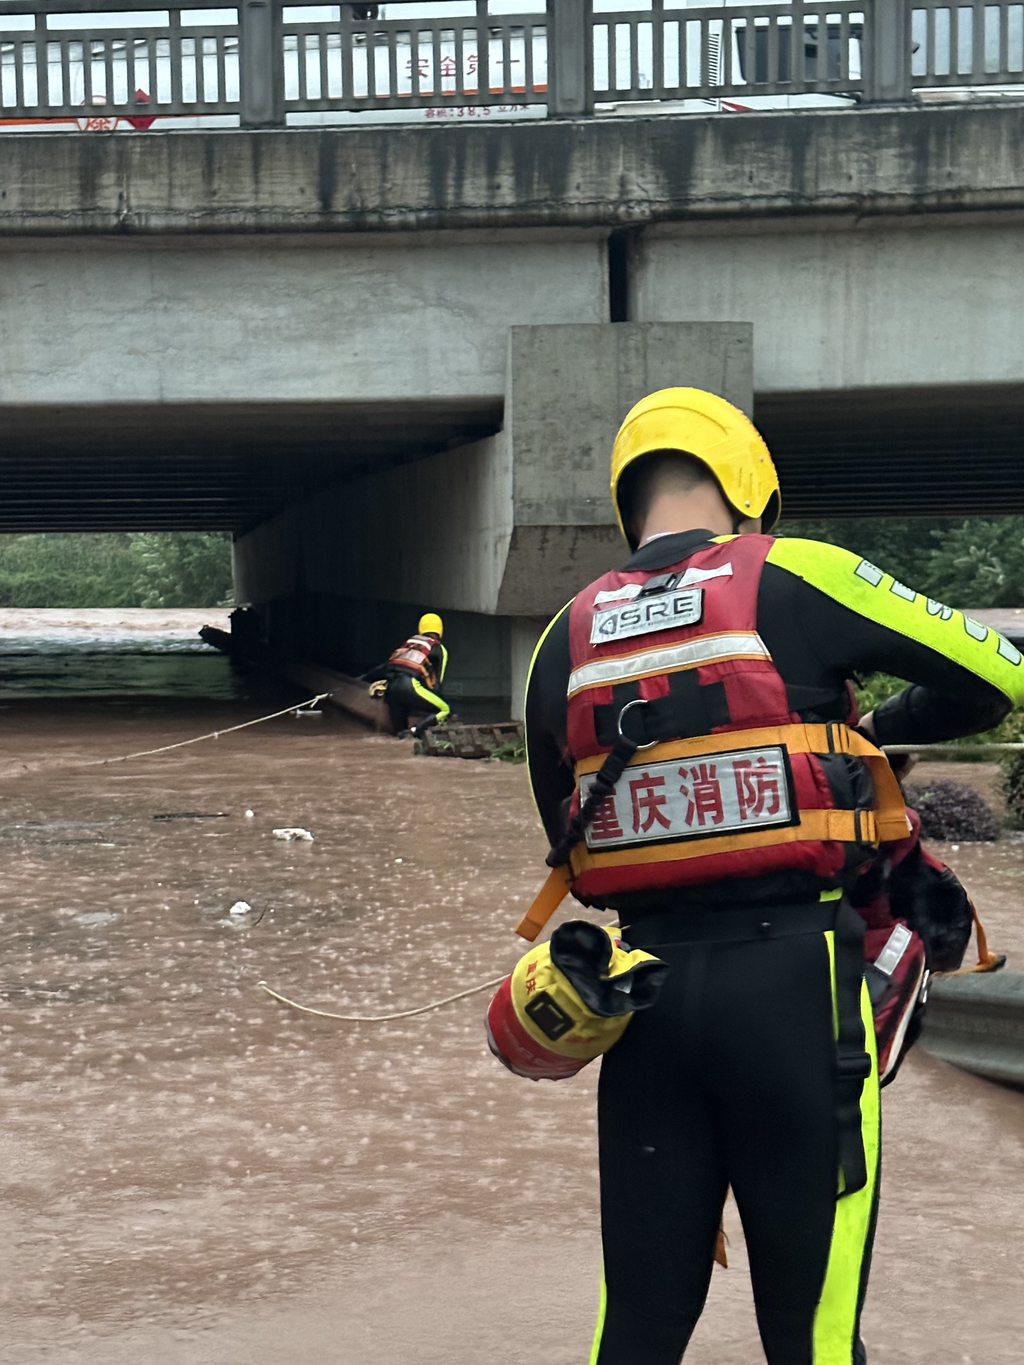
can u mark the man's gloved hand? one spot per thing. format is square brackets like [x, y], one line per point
[378, 689]
[901, 764]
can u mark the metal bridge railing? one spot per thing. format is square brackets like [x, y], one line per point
[963, 45]
[263, 59]
[673, 53]
[395, 64]
[55, 64]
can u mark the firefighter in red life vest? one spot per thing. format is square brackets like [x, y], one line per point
[705, 685]
[411, 679]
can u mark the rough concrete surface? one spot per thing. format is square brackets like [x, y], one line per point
[597, 172]
[527, 513]
[271, 321]
[851, 310]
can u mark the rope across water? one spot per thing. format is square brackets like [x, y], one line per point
[383, 1018]
[973, 749]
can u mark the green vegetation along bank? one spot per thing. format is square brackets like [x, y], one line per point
[134, 569]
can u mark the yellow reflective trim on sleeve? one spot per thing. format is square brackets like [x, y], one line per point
[835, 1321]
[870, 592]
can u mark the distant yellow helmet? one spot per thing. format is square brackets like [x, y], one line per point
[430, 624]
[714, 432]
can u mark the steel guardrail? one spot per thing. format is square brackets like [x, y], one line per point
[976, 1022]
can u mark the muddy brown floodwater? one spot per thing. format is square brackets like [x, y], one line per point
[195, 1175]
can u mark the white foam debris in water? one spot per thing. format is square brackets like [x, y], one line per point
[96, 919]
[240, 908]
[293, 834]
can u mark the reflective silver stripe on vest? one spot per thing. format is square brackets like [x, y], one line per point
[709, 649]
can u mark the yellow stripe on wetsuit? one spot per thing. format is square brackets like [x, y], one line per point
[433, 701]
[856, 583]
[835, 1322]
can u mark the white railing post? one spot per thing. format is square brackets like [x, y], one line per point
[261, 63]
[887, 56]
[569, 66]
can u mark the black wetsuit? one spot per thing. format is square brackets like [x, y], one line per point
[731, 1079]
[408, 696]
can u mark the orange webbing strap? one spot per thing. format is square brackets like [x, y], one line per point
[552, 894]
[988, 961]
[886, 823]
[720, 1256]
[816, 826]
[890, 812]
[890, 808]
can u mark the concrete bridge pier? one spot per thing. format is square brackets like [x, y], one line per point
[496, 535]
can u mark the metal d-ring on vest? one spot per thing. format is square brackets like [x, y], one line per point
[604, 785]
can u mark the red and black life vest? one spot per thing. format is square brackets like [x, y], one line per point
[918, 920]
[414, 657]
[895, 957]
[729, 782]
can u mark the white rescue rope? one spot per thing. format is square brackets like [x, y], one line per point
[183, 743]
[952, 748]
[382, 1018]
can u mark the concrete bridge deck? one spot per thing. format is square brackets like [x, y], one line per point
[284, 306]
[287, 333]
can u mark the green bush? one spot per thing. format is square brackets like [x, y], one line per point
[512, 751]
[973, 563]
[183, 569]
[174, 569]
[1013, 788]
[1012, 768]
[951, 811]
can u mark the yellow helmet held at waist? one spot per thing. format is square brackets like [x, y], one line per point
[430, 624]
[714, 432]
[570, 1000]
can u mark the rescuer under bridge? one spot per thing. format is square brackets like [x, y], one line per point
[410, 681]
[696, 758]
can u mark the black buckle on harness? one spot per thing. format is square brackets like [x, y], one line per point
[853, 1066]
[860, 814]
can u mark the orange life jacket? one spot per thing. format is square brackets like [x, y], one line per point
[414, 657]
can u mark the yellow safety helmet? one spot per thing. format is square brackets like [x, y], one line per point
[714, 432]
[570, 1000]
[430, 624]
